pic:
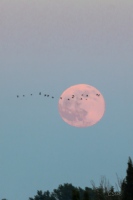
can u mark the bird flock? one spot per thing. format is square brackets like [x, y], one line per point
[47, 95]
[81, 97]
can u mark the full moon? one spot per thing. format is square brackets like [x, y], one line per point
[81, 105]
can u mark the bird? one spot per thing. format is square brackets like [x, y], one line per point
[81, 98]
[52, 97]
[17, 96]
[68, 99]
[39, 93]
[31, 94]
[23, 95]
[48, 95]
[87, 95]
[81, 94]
[98, 94]
[60, 97]
[45, 95]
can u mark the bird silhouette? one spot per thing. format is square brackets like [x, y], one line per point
[23, 95]
[31, 94]
[81, 94]
[81, 98]
[60, 97]
[68, 99]
[48, 95]
[52, 97]
[39, 93]
[87, 95]
[98, 95]
[17, 96]
[45, 95]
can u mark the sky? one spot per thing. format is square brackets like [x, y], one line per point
[48, 46]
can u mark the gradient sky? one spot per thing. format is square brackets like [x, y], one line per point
[47, 46]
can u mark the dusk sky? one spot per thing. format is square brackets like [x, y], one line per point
[47, 46]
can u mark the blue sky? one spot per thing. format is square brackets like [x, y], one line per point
[48, 46]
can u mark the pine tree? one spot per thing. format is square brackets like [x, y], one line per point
[127, 185]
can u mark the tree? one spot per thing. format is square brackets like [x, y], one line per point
[127, 184]
[75, 194]
[86, 195]
[63, 192]
[42, 196]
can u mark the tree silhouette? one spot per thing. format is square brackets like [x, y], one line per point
[75, 194]
[63, 192]
[127, 185]
[86, 195]
[42, 196]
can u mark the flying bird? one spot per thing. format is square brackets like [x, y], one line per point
[81, 98]
[60, 97]
[48, 95]
[87, 95]
[45, 95]
[23, 95]
[68, 99]
[39, 93]
[98, 94]
[17, 96]
[31, 94]
[52, 97]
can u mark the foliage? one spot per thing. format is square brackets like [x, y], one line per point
[75, 194]
[63, 192]
[42, 196]
[127, 184]
[86, 195]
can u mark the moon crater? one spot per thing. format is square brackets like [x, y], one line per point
[81, 105]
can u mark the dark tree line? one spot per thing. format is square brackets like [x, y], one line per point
[64, 192]
[103, 192]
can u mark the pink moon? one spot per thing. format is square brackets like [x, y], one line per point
[81, 105]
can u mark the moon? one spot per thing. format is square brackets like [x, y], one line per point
[81, 105]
